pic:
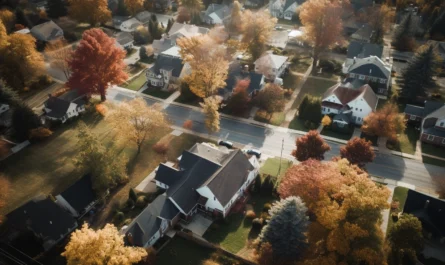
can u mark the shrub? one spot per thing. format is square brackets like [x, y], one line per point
[265, 216]
[310, 125]
[132, 194]
[267, 186]
[40, 133]
[288, 93]
[250, 214]
[395, 217]
[119, 216]
[257, 224]
[127, 221]
[101, 109]
[256, 187]
[160, 148]
[310, 109]
[188, 124]
[130, 203]
[267, 207]
[395, 205]
[141, 202]
[214, 226]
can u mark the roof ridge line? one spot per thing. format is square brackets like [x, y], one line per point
[231, 156]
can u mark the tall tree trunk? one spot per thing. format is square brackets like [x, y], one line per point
[103, 96]
[139, 148]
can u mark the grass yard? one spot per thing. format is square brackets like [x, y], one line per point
[130, 52]
[406, 142]
[317, 87]
[298, 124]
[400, 194]
[291, 81]
[182, 251]
[272, 165]
[276, 119]
[234, 233]
[433, 150]
[335, 134]
[157, 92]
[136, 82]
[433, 161]
[300, 65]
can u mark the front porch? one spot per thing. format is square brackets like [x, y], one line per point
[198, 224]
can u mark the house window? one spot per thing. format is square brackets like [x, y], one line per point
[360, 110]
[361, 77]
[430, 137]
[381, 90]
[352, 75]
[359, 119]
[443, 140]
[412, 117]
[214, 198]
[340, 124]
[324, 109]
[356, 109]
[441, 124]
[374, 79]
[329, 110]
[382, 81]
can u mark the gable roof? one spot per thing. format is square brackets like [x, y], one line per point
[275, 61]
[236, 73]
[372, 66]
[431, 107]
[216, 12]
[143, 17]
[131, 23]
[344, 116]
[59, 105]
[49, 30]
[210, 153]
[363, 50]
[168, 63]
[346, 94]
[167, 175]
[173, 51]
[289, 3]
[163, 44]
[124, 38]
[186, 30]
[414, 110]
[44, 217]
[364, 33]
[429, 210]
[80, 194]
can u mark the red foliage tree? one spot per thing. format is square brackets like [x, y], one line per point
[97, 63]
[358, 151]
[310, 146]
[240, 98]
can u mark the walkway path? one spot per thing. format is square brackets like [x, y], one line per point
[357, 133]
[385, 213]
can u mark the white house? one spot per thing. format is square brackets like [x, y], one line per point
[166, 70]
[271, 65]
[207, 179]
[130, 25]
[215, 14]
[284, 8]
[64, 107]
[344, 99]
[179, 30]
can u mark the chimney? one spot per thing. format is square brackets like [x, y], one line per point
[130, 239]
[427, 202]
[355, 59]
[246, 68]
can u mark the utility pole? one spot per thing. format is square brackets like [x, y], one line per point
[281, 156]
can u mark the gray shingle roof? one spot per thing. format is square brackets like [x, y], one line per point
[124, 38]
[414, 110]
[59, 105]
[362, 50]
[167, 175]
[80, 194]
[143, 17]
[212, 154]
[236, 73]
[364, 33]
[168, 63]
[372, 66]
[49, 30]
[432, 106]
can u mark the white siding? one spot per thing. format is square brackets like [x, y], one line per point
[153, 239]
[212, 202]
[326, 110]
[161, 185]
[360, 109]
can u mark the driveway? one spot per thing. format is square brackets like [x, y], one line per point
[199, 224]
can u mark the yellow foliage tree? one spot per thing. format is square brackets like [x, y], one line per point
[59, 53]
[3, 35]
[89, 11]
[326, 121]
[8, 19]
[209, 64]
[4, 191]
[135, 121]
[256, 31]
[134, 6]
[210, 110]
[101, 247]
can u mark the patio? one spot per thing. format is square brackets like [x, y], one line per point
[198, 225]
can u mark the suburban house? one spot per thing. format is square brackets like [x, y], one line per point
[348, 104]
[47, 31]
[440, 48]
[206, 179]
[144, 17]
[238, 72]
[167, 69]
[124, 40]
[215, 14]
[179, 30]
[272, 66]
[284, 8]
[361, 50]
[65, 106]
[118, 20]
[5, 115]
[130, 25]
[79, 198]
[41, 218]
[162, 45]
[430, 211]
[278, 38]
[173, 52]
[23, 31]
[372, 71]
[254, 3]
[162, 5]
[363, 34]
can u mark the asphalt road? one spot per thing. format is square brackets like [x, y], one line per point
[269, 141]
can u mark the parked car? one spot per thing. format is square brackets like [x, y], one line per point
[226, 144]
[254, 152]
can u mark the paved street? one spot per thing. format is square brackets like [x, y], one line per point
[269, 141]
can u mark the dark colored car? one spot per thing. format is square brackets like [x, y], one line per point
[254, 152]
[226, 144]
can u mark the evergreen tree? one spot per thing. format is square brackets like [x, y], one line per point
[56, 8]
[143, 53]
[154, 18]
[169, 25]
[404, 36]
[437, 30]
[8, 95]
[418, 75]
[286, 230]
[23, 121]
[121, 8]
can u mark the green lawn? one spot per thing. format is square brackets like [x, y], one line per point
[156, 92]
[182, 251]
[317, 87]
[291, 81]
[234, 233]
[400, 194]
[276, 119]
[433, 150]
[298, 124]
[406, 141]
[335, 134]
[272, 165]
[433, 161]
[300, 65]
[136, 82]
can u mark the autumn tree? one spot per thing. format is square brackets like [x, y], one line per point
[380, 19]
[3, 36]
[136, 122]
[403, 39]
[59, 53]
[239, 100]
[270, 98]
[4, 192]
[419, 75]
[385, 122]
[23, 121]
[405, 239]
[98, 11]
[326, 121]
[102, 247]
[96, 64]
[346, 206]
[8, 19]
[56, 8]
[256, 31]
[323, 25]
[183, 15]
[107, 168]
[286, 229]
[22, 65]
[193, 7]
[8, 95]
[310, 146]
[208, 62]
[358, 151]
[210, 109]
[236, 19]
[134, 6]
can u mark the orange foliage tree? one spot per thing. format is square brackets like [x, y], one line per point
[4, 191]
[96, 64]
[134, 6]
[385, 122]
[239, 100]
[358, 151]
[89, 11]
[310, 146]
[323, 24]
[346, 206]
